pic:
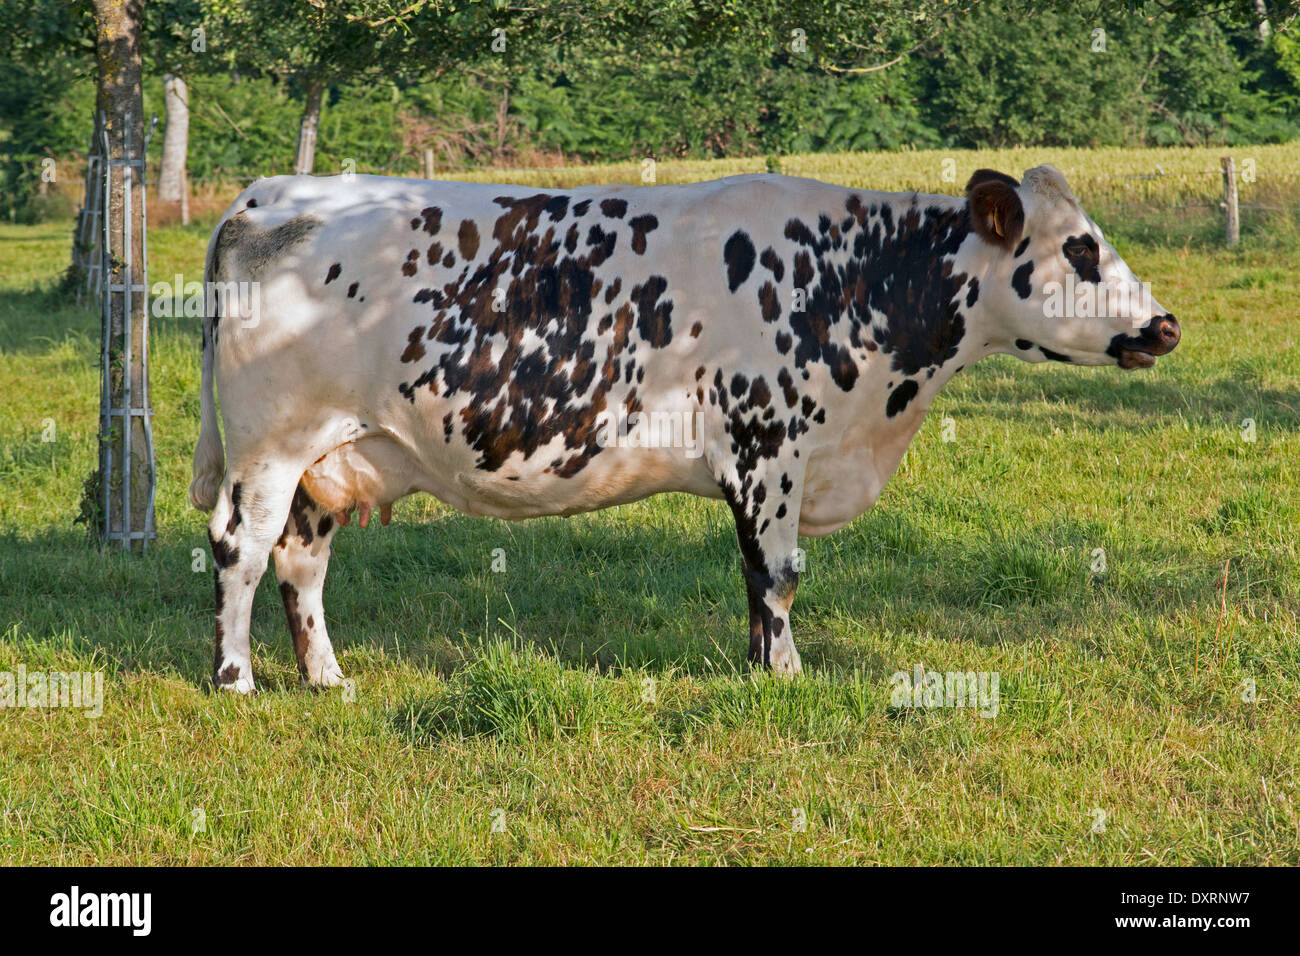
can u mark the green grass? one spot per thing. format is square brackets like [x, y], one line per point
[590, 701]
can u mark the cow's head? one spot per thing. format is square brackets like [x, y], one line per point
[1054, 284]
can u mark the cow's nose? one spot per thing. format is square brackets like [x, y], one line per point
[1168, 331]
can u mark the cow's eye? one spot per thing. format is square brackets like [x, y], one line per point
[1076, 251]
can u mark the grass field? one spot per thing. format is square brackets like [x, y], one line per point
[589, 704]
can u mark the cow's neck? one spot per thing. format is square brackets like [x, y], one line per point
[914, 287]
[907, 285]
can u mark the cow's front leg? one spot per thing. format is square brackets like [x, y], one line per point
[302, 556]
[249, 515]
[767, 524]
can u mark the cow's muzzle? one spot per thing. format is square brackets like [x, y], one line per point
[1157, 337]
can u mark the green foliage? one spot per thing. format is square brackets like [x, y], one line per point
[1287, 49]
[824, 114]
[619, 79]
[44, 114]
[1062, 77]
[238, 128]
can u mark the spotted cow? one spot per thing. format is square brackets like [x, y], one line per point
[501, 348]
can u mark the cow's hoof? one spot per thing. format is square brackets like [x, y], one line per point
[241, 685]
[327, 675]
[785, 661]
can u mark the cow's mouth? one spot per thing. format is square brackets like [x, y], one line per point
[1135, 358]
[1157, 337]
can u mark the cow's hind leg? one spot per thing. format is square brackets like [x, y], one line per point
[767, 524]
[302, 555]
[249, 516]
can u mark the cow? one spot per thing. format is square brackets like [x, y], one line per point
[770, 341]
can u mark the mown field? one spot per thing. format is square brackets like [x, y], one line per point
[1108, 179]
[589, 704]
[1111, 175]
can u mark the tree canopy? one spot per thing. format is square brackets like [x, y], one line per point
[537, 81]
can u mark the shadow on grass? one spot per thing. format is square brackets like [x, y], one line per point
[1151, 402]
[594, 593]
[31, 320]
[34, 321]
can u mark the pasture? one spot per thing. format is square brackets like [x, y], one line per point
[1120, 548]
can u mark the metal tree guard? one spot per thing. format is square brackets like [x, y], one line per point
[86, 249]
[133, 405]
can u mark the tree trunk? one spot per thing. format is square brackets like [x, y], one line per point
[306, 158]
[1264, 28]
[118, 26]
[172, 187]
[503, 113]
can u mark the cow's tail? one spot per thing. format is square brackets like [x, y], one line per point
[209, 458]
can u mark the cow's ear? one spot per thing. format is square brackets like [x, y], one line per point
[996, 213]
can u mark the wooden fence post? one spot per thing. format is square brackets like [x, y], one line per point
[1230, 200]
[428, 164]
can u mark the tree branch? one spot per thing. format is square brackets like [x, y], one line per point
[320, 5]
[883, 66]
